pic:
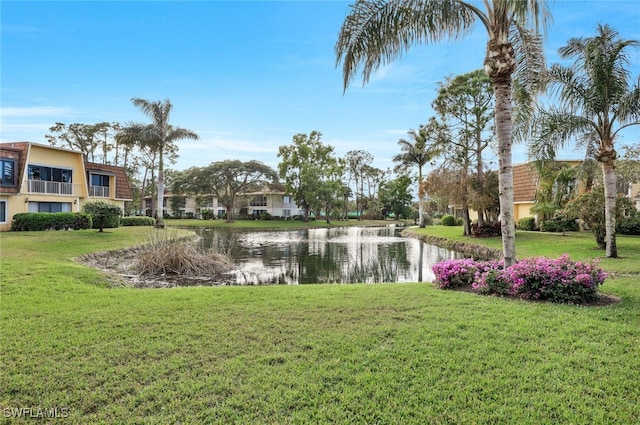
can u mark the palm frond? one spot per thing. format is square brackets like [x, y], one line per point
[376, 32]
[571, 87]
[528, 79]
[555, 128]
[158, 111]
[628, 109]
[178, 133]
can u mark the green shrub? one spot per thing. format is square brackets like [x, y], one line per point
[558, 226]
[486, 230]
[109, 223]
[628, 226]
[137, 221]
[560, 222]
[448, 220]
[51, 221]
[590, 208]
[459, 221]
[527, 223]
[207, 214]
[104, 214]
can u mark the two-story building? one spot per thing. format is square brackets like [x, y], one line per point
[270, 198]
[41, 178]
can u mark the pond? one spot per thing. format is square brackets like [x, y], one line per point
[336, 255]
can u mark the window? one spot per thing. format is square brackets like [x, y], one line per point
[287, 199]
[54, 207]
[99, 185]
[207, 202]
[99, 180]
[38, 172]
[258, 201]
[7, 172]
[3, 211]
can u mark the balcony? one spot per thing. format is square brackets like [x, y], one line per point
[99, 191]
[51, 188]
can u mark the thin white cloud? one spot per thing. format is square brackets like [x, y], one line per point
[35, 111]
[20, 29]
[32, 132]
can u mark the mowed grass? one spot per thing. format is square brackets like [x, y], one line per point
[363, 354]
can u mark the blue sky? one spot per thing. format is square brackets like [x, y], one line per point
[245, 76]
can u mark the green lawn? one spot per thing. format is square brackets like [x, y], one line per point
[382, 353]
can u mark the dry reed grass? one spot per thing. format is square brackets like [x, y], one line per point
[168, 254]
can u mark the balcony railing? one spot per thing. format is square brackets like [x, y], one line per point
[99, 191]
[54, 188]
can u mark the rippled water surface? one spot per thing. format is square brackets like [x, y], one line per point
[337, 255]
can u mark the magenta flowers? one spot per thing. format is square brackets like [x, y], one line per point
[539, 278]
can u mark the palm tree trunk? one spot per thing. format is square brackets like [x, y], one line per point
[610, 192]
[420, 206]
[502, 91]
[160, 201]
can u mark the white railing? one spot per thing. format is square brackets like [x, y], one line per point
[56, 188]
[99, 191]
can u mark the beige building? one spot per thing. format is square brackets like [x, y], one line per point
[526, 181]
[271, 199]
[41, 178]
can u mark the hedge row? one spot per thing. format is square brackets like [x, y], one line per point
[137, 221]
[51, 221]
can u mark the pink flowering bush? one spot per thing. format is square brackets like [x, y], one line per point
[452, 274]
[539, 278]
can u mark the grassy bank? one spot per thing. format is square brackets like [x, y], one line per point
[387, 353]
[279, 224]
[580, 245]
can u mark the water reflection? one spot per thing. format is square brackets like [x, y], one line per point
[337, 255]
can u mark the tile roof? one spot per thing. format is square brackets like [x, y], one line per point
[17, 151]
[525, 183]
[123, 188]
[21, 150]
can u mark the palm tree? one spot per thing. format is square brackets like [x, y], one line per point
[159, 136]
[425, 146]
[596, 101]
[376, 32]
